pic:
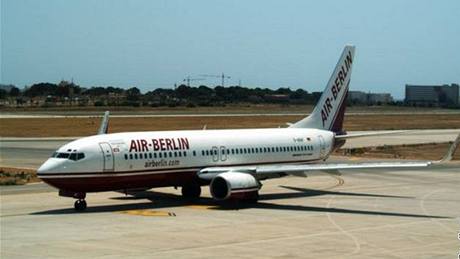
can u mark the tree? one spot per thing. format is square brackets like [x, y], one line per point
[133, 94]
[15, 91]
[3, 94]
[41, 89]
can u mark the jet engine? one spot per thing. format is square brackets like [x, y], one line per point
[234, 185]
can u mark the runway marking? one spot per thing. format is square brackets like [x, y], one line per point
[422, 206]
[348, 234]
[148, 212]
[201, 207]
[340, 181]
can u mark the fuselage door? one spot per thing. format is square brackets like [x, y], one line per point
[215, 154]
[107, 153]
[223, 153]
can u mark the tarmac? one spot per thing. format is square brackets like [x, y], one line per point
[355, 214]
[361, 214]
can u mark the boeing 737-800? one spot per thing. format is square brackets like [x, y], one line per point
[232, 162]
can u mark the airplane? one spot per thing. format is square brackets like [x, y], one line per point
[232, 162]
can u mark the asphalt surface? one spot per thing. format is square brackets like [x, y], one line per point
[354, 214]
[360, 214]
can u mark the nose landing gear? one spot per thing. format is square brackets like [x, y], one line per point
[80, 205]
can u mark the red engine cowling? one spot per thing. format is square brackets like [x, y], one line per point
[234, 185]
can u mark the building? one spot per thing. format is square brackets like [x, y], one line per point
[358, 97]
[433, 95]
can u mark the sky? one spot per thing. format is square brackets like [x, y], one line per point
[295, 43]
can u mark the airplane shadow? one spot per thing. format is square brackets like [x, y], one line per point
[159, 200]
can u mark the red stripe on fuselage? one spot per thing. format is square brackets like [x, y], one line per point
[110, 181]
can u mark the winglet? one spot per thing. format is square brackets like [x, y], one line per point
[448, 156]
[103, 129]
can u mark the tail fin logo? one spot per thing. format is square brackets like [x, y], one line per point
[339, 81]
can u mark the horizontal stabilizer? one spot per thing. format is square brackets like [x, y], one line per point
[369, 134]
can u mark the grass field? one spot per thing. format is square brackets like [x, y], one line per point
[62, 127]
[434, 151]
[231, 108]
[17, 176]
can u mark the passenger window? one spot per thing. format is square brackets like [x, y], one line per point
[207, 152]
[170, 154]
[135, 156]
[175, 153]
[194, 153]
[154, 155]
[126, 156]
[130, 156]
[140, 156]
[185, 153]
[159, 155]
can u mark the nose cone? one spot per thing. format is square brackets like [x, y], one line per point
[48, 167]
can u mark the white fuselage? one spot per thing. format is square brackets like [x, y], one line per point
[163, 153]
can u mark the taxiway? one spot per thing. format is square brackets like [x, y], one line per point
[362, 214]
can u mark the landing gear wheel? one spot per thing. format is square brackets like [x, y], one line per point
[80, 205]
[191, 191]
[254, 199]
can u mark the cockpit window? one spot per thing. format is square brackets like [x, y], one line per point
[72, 156]
[80, 156]
[62, 155]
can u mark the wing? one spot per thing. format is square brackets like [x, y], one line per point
[301, 169]
[263, 171]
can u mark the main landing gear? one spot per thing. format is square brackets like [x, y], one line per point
[80, 205]
[191, 190]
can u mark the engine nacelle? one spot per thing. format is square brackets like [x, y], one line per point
[234, 185]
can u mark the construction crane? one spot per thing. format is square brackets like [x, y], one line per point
[188, 80]
[223, 77]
